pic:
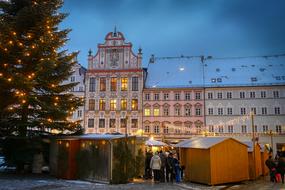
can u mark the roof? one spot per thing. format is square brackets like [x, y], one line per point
[199, 71]
[152, 142]
[204, 142]
[174, 72]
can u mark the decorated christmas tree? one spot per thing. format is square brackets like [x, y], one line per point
[33, 66]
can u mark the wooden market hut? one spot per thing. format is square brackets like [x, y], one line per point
[254, 160]
[214, 160]
[264, 156]
[95, 157]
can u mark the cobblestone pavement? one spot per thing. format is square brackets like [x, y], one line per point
[12, 182]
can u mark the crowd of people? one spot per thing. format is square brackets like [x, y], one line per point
[165, 167]
[276, 167]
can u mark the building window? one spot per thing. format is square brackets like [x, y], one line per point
[81, 89]
[91, 104]
[263, 110]
[252, 94]
[123, 104]
[146, 96]
[211, 129]
[177, 111]
[198, 111]
[92, 84]
[156, 129]
[147, 112]
[177, 96]
[72, 79]
[165, 96]
[79, 113]
[124, 84]
[90, 123]
[135, 83]
[230, 111]
[220, 95]
[210, 111]
[112, 123]
[187, 111]
[102, 84]
[210, 95]
[113, 84]
[188, 96]
[230, 129]
[221, 129]
[229, 95]
[243, 129]
[134, 104]
[102, 104]
[220, 111]
[198, 96]
[278, 129]
[255, 128]
[276, 94]
[242, 111]
[123, 123]
[265, 128]
[146, 129]
[113, 104]
[253, 110]
[101, 123]
[134, 123]
[277, 110]
[156, 96]
[156, 111]
[242, 95]
[165, 111]
[165, 130]
[263, 94]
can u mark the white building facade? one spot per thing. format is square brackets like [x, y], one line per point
[114, 83]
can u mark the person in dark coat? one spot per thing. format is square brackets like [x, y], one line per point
[281, 166]
[272, 168]
[169, 168]
[177, 169]
[148, 172]
[163, 165]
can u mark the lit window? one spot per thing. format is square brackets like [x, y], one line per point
[123, 123]
[156, 111]
[123, 104]
[124, 84]
[113, 104]
[134, 104]
[147, 112]
[102, 104]
[113, 84]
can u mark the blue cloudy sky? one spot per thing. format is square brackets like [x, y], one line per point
[219, 28]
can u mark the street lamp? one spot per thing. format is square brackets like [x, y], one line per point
[253, 142]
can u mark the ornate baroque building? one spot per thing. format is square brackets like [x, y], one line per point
[114, 84]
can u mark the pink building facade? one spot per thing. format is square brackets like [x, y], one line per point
[173, 113]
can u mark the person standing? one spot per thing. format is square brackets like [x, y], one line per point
[147, 165]
[155, 165]
[163, 164]
[281, 166]
[177, 168]
[272, 168]
[169, 168]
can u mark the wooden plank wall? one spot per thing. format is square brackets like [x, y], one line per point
[229, 162]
